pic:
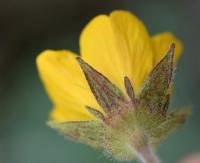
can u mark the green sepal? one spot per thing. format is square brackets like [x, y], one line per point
[87, 132]
[172, 121]
[155, 88]
[109, 97]
[95, 113]
[129, 90]
[157, 127]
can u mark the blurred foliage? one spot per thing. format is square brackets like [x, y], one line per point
[28, 27]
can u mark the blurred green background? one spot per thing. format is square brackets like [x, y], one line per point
[28, 27]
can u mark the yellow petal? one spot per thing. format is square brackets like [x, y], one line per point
[66, 85]
[118, 45]
[62, 115]
[161, 43]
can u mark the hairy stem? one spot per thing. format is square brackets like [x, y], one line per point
[143, 148]
[146, 155]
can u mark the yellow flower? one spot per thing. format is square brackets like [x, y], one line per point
[116, 96]
[117, 45]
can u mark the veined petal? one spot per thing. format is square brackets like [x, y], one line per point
[117, 46]
[66, 85]
[161, 43]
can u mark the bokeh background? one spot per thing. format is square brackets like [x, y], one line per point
[29, 26]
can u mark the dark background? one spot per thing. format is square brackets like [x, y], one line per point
[29, 26]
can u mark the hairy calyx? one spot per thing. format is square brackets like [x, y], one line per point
[131, 125]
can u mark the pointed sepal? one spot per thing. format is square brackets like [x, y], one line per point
[172, 121]
[87, 132]
[95, 113]
[153, 93]
[129, 90]
[109, 97]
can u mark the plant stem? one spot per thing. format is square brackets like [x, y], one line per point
[143, 148]
[146, 155]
